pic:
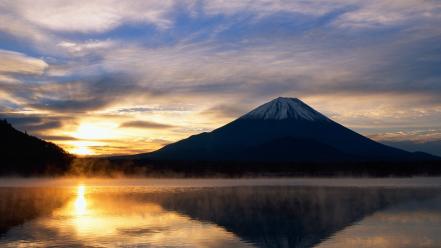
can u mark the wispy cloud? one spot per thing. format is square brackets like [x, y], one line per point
[152, 109]
[420, 136]
[90, 16]
[372, 65]
[35, 123]
[145, 124]
[18, 63]
[389, 13]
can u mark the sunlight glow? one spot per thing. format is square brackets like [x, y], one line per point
[80, 201]
[96, 131]
[80, 147]
[82, 150]
[104, 220]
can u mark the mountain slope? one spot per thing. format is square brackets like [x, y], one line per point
[283, 124]
[27, 155]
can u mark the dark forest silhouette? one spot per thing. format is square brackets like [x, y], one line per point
[24, 154]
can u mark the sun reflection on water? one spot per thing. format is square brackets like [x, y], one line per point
[123, 215]
[80, 201]
[103, 218]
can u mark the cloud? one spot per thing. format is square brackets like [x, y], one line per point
[267, 8]
[69, 105]
[152, 109]
[371, 65]
[372, 114]
[18, 63]
[145, 124]
[387, 13]
[48, 23]
[89, 16]
[16, 26]
[87, 47]
[417, 136]
[6, 79]
[428, 140]
[305, 67]
[200, 65]
[356, 14]
[57, 138]
[75, 96]
[34, 123]
[161, 141]
[225, 111]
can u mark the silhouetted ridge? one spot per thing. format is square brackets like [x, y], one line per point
[28, 155]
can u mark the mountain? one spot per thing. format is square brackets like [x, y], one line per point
[27, 155]
[282, 130]
[433, 146]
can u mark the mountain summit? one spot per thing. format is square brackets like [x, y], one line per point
[285, 108]
[282, 130]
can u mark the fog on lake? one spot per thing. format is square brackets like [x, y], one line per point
[221, 212]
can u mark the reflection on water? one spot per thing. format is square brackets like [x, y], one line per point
[80, 202]
[411, 224]
[117, 219]
[236, 216]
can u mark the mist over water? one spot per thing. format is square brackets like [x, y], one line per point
[221, 212]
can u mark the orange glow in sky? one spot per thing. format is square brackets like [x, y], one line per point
[86, 76]
[82, 150]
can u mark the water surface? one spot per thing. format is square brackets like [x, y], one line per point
[221, 213]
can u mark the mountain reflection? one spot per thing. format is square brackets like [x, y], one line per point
[117, 219]
[288, 216]
[408, 225]
[262, 216]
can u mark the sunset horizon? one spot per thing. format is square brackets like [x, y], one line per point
[215, 123]
[112, 78]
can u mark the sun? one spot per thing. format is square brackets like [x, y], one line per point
[82, 150]
[95, 131]
[85, 148]
[92, 134]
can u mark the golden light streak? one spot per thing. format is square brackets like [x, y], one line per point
[80, 147]
[80, 201]
[104, 220]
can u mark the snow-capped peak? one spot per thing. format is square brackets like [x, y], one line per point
[285, 108]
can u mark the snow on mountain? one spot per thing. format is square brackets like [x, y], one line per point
[285, 108]
[284, 129]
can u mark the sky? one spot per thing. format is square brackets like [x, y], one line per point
[120, 77]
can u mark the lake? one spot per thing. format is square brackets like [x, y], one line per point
[220, 212]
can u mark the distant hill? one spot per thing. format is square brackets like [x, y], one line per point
[24, 154]
[432, 147]
[282, 130]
